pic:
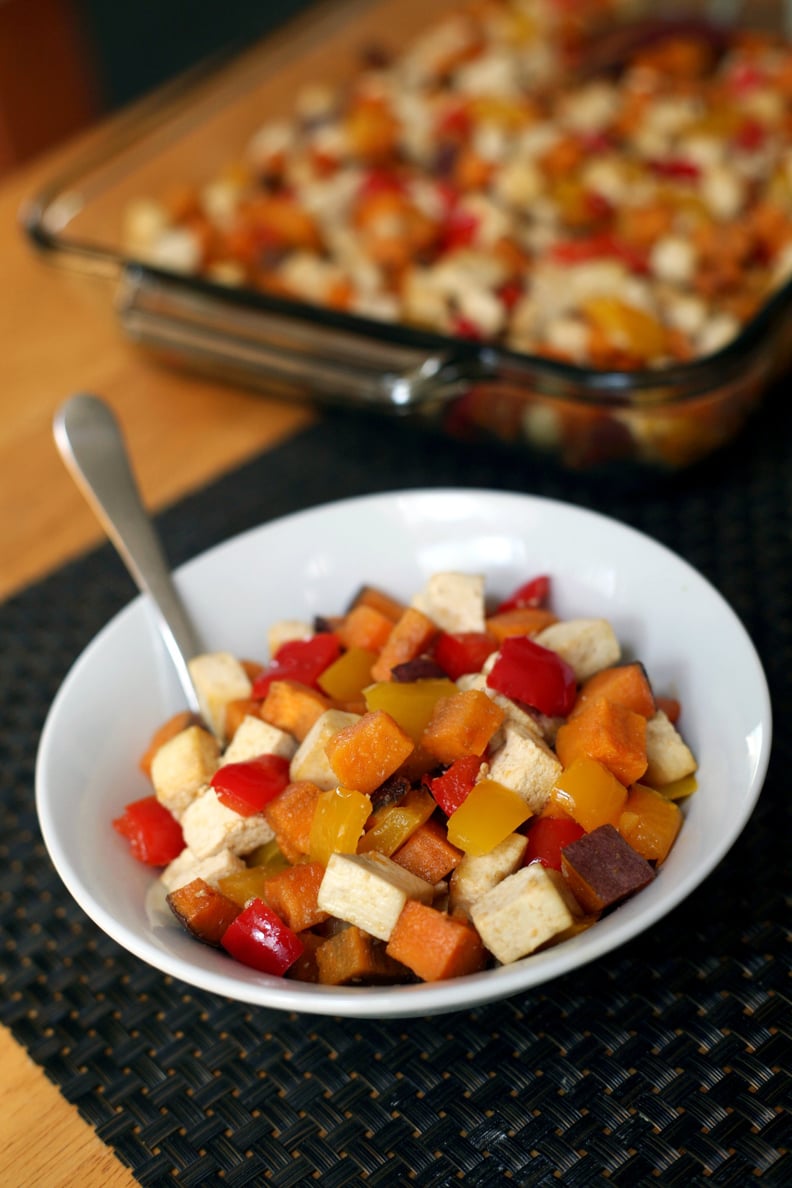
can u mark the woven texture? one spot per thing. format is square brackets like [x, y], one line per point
[666, 1062]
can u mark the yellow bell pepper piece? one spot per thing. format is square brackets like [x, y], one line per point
[395, 823]
[268, 854]
[590, 794]
[488, 814]
[346, 678]
[243, 885]
[409, 703]
[679, 789]
[338, 822]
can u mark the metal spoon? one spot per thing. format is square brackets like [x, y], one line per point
[92, 446]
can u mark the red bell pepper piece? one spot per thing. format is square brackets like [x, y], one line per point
[259, 938]
[527, 672]
[535, 592]
[547, 836]
[302, 660]
[459, 652]
[247, 787]
[452, 787]
[155, 837]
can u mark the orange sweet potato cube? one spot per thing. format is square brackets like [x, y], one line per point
[292, 893]
[203, 910]
[610, 733]
[523, 620]
[462, 724]
[626, 684]
[428, 853]
[411, 635]
[293, 707]
[365, 627]
[365, 753]
[379, 600]
[435, 946]
[291, 815]
[236, 711]
[352, 955]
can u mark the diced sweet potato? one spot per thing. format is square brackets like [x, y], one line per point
[610, 733]
[602, 869]
[462, 725]
[293, 707]
[291, 815]
[203, 910]
[435, 946]
[411, 635]
[365, 753]
[164, 733]
[523, 620]
[626, 684]
[428, 853]
[365, 627]
[379, 600]
[292, 894]
[352, 955]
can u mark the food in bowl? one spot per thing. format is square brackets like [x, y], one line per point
[413, 791]
[487, 182]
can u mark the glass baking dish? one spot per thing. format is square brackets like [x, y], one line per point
[585, 417]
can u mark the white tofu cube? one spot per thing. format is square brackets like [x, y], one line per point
[255, 737]
[183, 766]
[454, 601]
[370, 891]
[188, 866]
[669, 756]
[478, 873]
[526, 764]
[524, 911]
[210, 827]
[218, 678]
[310, 761]
[587, 645]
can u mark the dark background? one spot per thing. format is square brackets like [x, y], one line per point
[139, 44]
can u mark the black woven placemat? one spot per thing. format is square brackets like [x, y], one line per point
[666, 1062]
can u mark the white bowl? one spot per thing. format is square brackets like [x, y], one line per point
[121, 688]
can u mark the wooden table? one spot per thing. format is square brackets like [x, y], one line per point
[59, 336]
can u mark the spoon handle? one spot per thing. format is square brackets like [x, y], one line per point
[92, 446]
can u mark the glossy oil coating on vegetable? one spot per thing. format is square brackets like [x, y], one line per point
[440, 801]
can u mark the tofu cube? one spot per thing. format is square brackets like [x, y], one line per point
[189, 866]
[218, 678]
[526, 764]
[524, 911]
[478, 873]
[370, 891]
[210, 827]
[310, 761]
[255, 737]
[183, 766]
[669, 756]
[587, 645]
[454, 601]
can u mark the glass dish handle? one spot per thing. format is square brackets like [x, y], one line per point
[299, 355]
